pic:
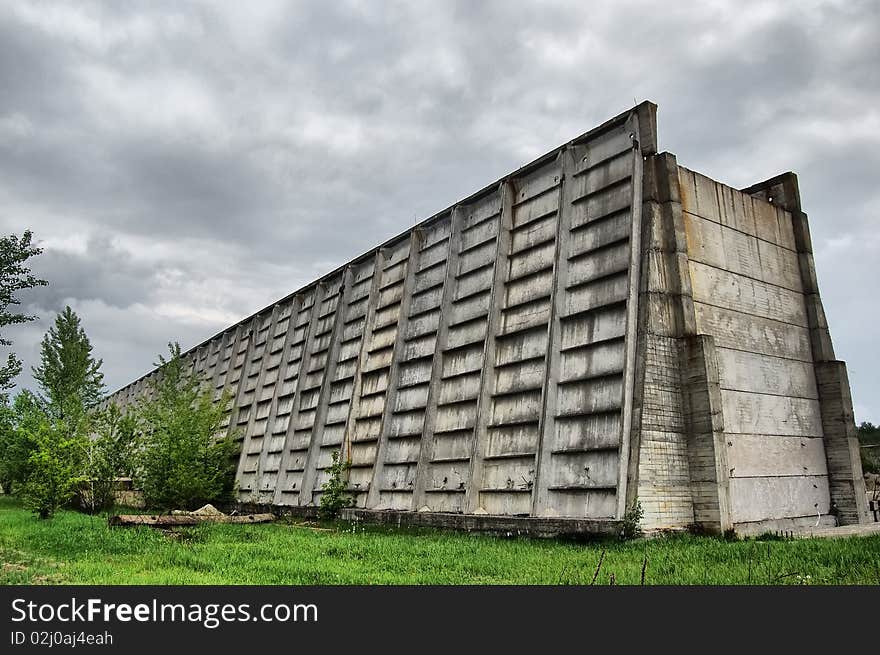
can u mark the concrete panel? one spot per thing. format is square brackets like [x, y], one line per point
[601, 233]
[512, 440]
[756, 499]
[758, 455]
[735, 292]
[591, 360]
[725, 248]
[536, 208]
[514, 409]
[740, 331]
[607, 261]
[595, 432]
[594, 503]
[533, 234]
[600, 325]
[452, 446]
[751, 413]
[524, 317]
[599, 395]
[601, 205]
[536, 183]
[745, 371]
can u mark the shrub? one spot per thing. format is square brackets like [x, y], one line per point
[631, 528]
[334, 496]
[107, 456]
[55, 465]
[183, 462]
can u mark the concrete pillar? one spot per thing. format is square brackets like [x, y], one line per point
[374, 496]
[245, 334]
[426, 452]
[547, 428]
[281, 480]
[294, 304]
[707, 446]
[316, 441]
[247, 437]
[487, 379]
[369, 321]
[662, 436]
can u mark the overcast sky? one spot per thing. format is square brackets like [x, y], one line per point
[183, 166]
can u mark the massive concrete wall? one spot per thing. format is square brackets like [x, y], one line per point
[599, 326]
[481, 363]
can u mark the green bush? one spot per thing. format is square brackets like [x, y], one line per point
[334, 496]
[183, 463]
[632, 518]
[107, 456]
[55, 468]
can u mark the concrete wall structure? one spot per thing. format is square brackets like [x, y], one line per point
[600, 326]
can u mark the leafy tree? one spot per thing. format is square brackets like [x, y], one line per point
[868, 432]
[18, 424]
[107, 455]
[335, 494]
[69, 376]
[15, 276]
[869, 435]
[55, 467]
[183, 464]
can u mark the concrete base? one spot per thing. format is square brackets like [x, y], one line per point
[785, 525]
[509, 526]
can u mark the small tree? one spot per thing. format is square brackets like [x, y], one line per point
[183, 464]
[55, 465]
[334, 496]
[107, 455]
[69, 377]
[15, 276]
[18, 425]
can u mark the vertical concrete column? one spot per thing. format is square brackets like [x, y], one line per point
[676, 461]
[631, 375]
[426, 452]
[229, 337]
[248, 331]
[249, 426]
[487, 378]
[845, 477]
[547, 427]
[309, 475]
[369, 319]
[295, 304]
[412, 264]
[707, 445]
[281, 479]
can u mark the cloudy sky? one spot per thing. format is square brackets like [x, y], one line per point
[184, 165]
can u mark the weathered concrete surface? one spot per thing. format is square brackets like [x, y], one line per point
[597, 327]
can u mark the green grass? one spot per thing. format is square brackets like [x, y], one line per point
[73, 548]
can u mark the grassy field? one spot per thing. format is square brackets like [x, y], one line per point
[75, 548]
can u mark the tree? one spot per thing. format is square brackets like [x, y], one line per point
[183, 463]
[14, 276]
[55, 467]
[869, 439]
[18, 424]
[107, 455]
[69, 377]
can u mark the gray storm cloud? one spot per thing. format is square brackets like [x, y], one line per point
[186, 164]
